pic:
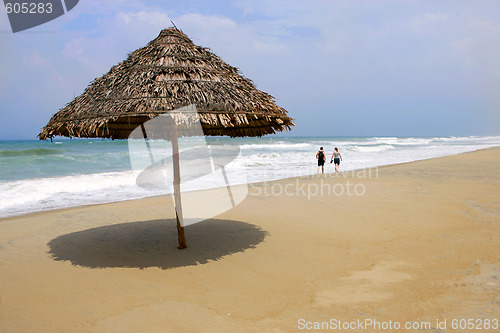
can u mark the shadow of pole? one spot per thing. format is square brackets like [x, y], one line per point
[154, 244]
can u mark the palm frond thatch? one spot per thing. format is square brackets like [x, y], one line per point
[168, 73]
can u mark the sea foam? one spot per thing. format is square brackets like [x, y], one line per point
[36, 176]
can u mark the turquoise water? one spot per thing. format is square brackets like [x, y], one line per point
[41, 159]
[40, 175]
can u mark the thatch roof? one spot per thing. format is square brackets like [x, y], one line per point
[168, 73]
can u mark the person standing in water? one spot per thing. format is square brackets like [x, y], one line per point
[320, 156]
[336, 157]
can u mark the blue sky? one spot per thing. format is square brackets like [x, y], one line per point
[340, 68]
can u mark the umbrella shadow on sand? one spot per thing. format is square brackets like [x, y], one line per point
[154, 244]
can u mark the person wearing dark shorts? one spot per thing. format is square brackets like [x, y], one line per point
[320, 156]
[336, 158]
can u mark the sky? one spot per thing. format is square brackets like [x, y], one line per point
[340, 68]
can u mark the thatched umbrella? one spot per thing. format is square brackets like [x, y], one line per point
[169, 73]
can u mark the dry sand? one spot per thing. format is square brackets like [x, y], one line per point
[421, 244]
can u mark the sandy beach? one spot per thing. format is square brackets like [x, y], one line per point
[416, 242]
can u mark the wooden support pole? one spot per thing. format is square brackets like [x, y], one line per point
[145, 135]
[229, 192]
[177, 186]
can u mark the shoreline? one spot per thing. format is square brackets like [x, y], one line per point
[421, 234]
[249, 184]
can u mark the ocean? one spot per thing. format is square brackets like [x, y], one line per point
[40, 175]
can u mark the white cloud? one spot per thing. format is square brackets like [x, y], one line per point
[152, 18]
[119, 34]
[224, 34]
[75, 49]
[428, 24]
[35, 60]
